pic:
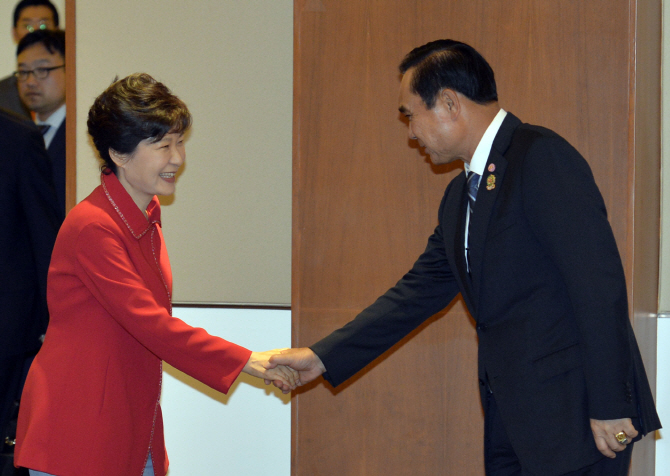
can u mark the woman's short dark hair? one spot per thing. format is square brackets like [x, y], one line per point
[131, 110]
[450, 64]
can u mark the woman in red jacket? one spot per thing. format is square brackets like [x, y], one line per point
[91, 401]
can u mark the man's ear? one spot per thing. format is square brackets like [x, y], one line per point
[450, 101]
[15, 35]
[118, 158]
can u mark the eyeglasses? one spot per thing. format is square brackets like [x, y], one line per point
[39, 73]
[38, 25]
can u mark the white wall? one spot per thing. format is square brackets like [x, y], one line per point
[663, 397]
[248, 431]
[228, 227]
[664, 298]
[7, 46]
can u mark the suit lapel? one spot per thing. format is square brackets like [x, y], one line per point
[58, 141]
[489, 188]
[453, 225]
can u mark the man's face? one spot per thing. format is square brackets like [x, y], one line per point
[43, 96]
[437, 130]
[31, 19]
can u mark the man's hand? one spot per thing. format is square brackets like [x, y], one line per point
[604, 432]
[304, 360]
[281, 376]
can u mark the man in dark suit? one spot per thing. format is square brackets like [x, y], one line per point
[30, 222]
[40, 73]
[29, 16]
[524, 237]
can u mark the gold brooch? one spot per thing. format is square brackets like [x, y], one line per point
[490, 182]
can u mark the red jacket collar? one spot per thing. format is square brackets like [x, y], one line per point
[128, 211]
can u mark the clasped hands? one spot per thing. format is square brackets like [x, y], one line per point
[286, 369]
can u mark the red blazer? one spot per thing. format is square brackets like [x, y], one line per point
[91, 402]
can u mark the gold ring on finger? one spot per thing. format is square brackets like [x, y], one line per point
[622, 437]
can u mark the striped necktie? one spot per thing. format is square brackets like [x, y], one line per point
[473, 186]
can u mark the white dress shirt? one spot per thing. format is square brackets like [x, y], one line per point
[54, 121]
[478, 162]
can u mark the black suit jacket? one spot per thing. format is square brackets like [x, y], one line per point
[547, 289]
[56, 153]
[30, 222]
[9, 97]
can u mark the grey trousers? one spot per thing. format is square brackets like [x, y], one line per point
[148, 470]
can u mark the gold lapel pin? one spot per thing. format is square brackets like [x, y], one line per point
[492, 167]
[490, 182]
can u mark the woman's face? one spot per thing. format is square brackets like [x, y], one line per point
[151, 168]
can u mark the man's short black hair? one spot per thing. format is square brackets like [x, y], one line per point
[34, 3]
[52, 40]
[450, 64]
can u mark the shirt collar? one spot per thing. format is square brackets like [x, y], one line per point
[483, 150]
[55, 119]
[127, 209]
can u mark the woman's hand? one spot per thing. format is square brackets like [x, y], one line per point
[308, 365]
[282, 377]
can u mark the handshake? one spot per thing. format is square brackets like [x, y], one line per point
[286, 369]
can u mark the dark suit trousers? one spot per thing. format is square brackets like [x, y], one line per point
[11, 370]
[500, 459]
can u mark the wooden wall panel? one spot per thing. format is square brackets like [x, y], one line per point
[71, 99]
[398, 414]
[366, 199]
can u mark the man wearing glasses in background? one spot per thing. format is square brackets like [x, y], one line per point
[29, 16]
[41, 82]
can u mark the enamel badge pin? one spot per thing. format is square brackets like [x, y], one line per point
[490, 181]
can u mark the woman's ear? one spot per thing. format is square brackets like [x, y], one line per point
[118, 158]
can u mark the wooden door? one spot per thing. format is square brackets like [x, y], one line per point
[71, 100]
[366, 200]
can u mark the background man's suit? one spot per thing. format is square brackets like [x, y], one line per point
[30, 222]
[9, 97]
[547, 289]
[56, 151]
